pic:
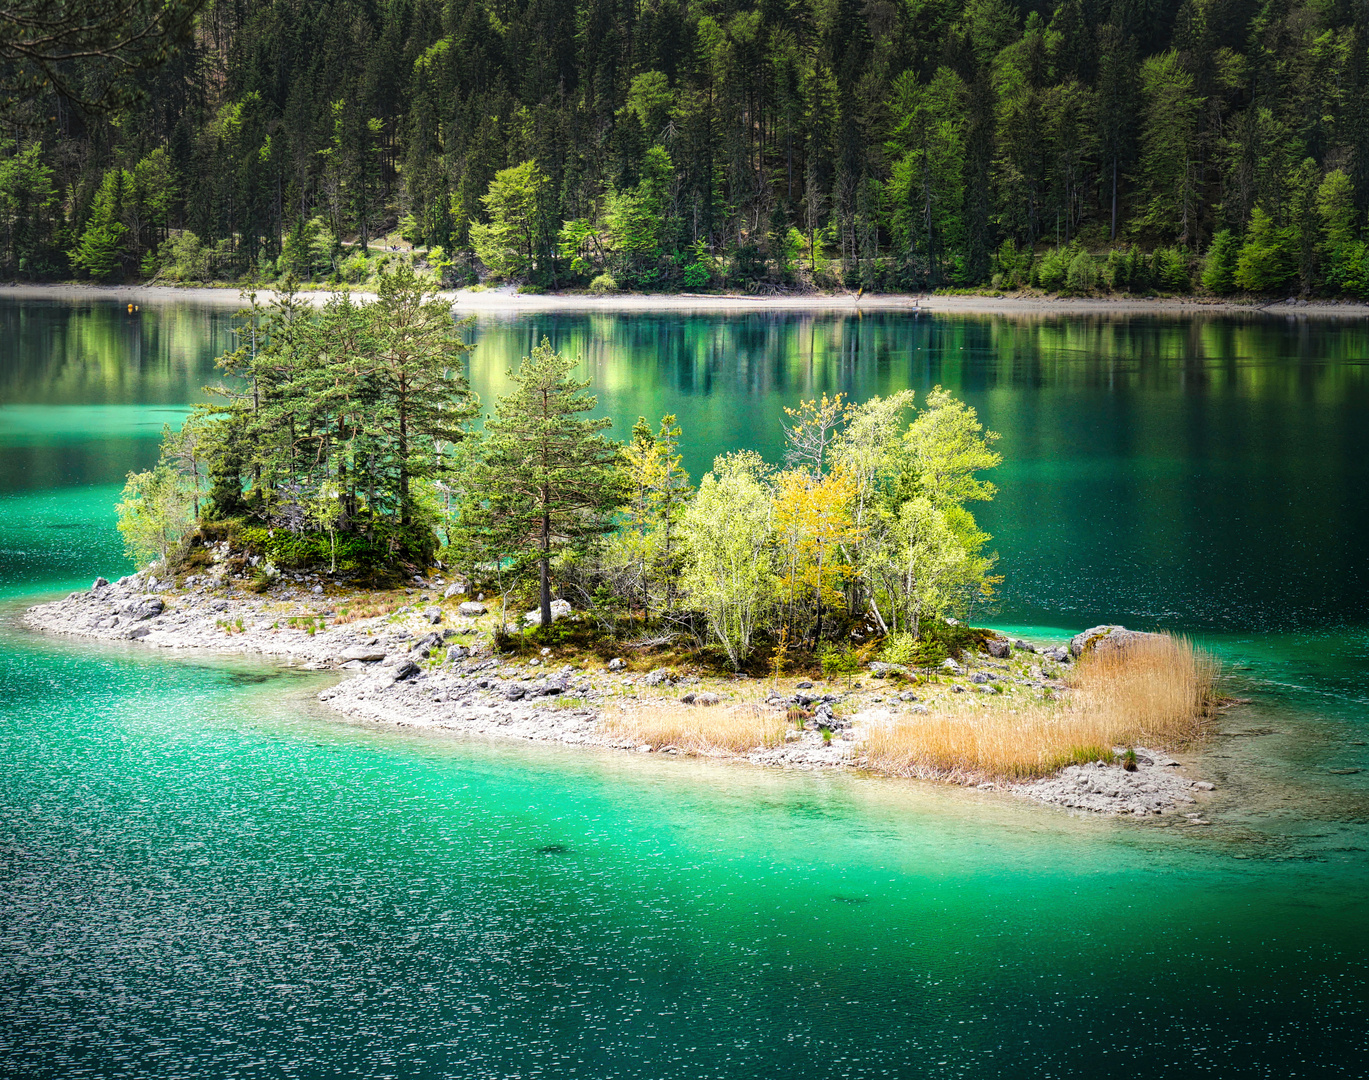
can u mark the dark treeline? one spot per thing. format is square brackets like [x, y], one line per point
[1078, 144]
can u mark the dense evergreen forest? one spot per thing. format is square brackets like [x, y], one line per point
[1075, 145]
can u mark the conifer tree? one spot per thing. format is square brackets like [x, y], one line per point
[551, 479]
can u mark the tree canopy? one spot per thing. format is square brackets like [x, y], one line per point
[672, 146]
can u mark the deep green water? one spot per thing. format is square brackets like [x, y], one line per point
[203, 874]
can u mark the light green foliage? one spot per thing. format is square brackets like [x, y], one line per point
[646, 544]
[1082, 276]
[184, 258]
[649, 99]
[726, 532]
[1219, 268]
[153, 514]
[918, 551]
[509, 243]
[947, 446]
[604, 283]
[1345, 257]
[926, 187]
[1268, 258]
[28, 209]
[1336, 206]
[1168, 163]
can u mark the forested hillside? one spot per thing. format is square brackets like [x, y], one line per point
[1081, 145]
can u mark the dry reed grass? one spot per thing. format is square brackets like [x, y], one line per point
[1157, 692]
[733, 729]
[357, 612]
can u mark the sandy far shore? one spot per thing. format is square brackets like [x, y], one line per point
[508, 301]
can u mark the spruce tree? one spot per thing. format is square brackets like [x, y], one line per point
[551, 480]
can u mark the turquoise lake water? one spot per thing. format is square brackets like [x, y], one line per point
[204, 874]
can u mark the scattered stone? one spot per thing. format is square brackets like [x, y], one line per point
[705, 697]
[454, 590]
[658, 677]
[514, 692]
[471, 608]
[1204, 785]
[318, 590]
[907, 695]
[99, 583]
[998, 648]
[457, 652]
[1057, 653]
[980, 678]
[559, 610]
[881, 670]
[645, 748]
[950, 665]
[407, 670]
[1025, 646]
[434, 618]
[805, 685]
[617, 664]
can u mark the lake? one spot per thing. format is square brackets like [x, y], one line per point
[203, 874]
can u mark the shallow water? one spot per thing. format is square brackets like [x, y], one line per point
[203, 874]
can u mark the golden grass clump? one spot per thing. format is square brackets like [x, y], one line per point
[355, 613]
[735, 729]
[963, 742]
[1157, 691]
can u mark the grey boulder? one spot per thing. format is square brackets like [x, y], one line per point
[145, 608]
[367, 654]
[1108, 638]
[471, 608]
[999, 648]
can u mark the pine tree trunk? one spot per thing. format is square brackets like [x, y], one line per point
[544, 564]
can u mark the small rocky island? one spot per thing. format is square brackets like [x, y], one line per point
[424, 657]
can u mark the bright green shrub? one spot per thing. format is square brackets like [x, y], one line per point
[1082, 275]
[1268, 260]
[1219, 268]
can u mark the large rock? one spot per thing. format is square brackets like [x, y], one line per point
[880, 670]
[454, 590]
[999, 648]
[1107, 638]
[145, 608]
[99, 583]
[559, 610]
[367, 654]
[406, 670]
[457, 652]
[471, 609]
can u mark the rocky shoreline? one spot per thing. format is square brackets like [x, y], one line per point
[424, 661]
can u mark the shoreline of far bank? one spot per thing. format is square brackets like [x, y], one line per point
[507, 301]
